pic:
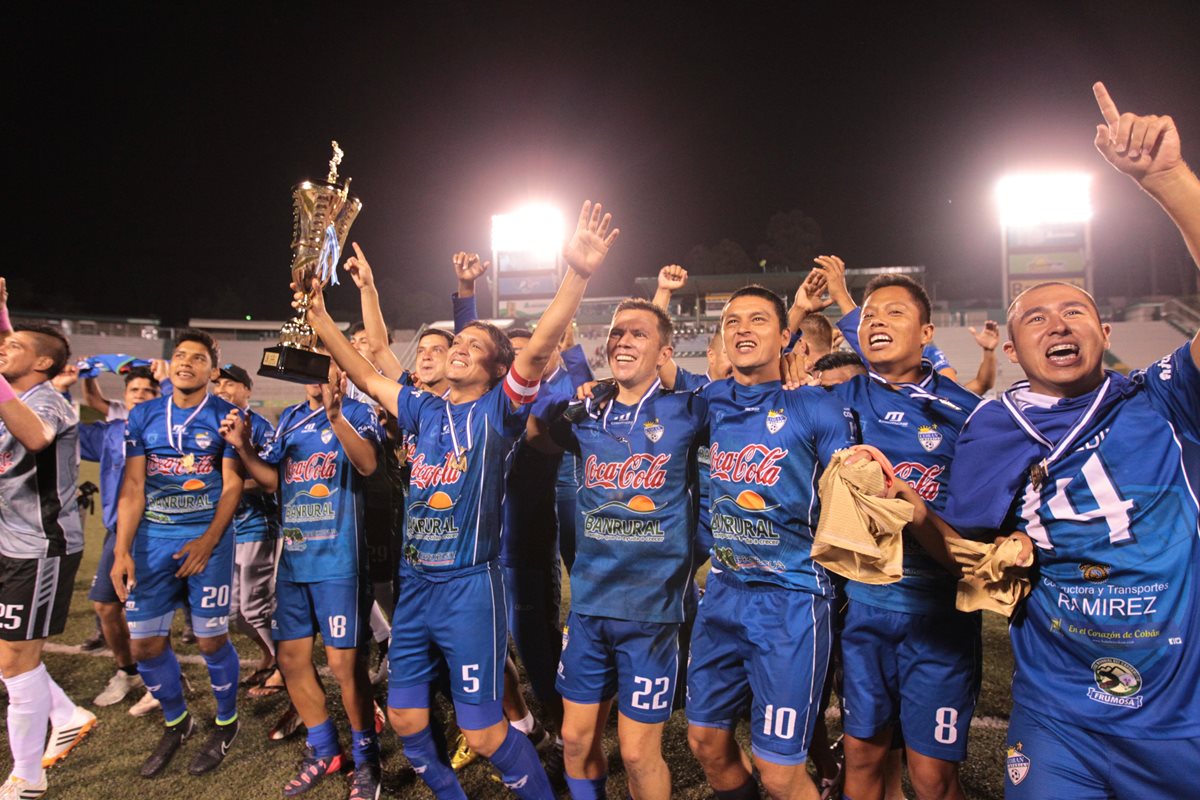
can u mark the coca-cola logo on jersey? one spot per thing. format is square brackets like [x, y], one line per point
[317, 467]
[641, 471]
[174, 465]
[425, 475]
[754, 463]
[923, 479]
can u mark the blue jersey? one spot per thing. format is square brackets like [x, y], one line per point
[456, 482]
[768, 449]
[257, 516]
[916, 426]
[1107, 640]
[183, 450]
[636, 505]
[104, 442]
[848, 325]
[321, 492]
[689, 382]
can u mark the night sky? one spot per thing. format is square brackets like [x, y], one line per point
[152, 149]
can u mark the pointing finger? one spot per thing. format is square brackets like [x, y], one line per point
[1108, 108]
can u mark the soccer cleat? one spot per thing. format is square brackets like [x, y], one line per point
[539, 737]
[20, 789]
[119, 685]
[463, 754]
[63, 739]
[380, 719]
[93, 643]
[214, 749]
[379, 673]
[366, 783]
[189, 635]
[285, 726]
[144, 706]
[313, 770]
[172, 739]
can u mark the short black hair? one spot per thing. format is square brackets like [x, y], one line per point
[504, 349]
[50, 343]
[359, 327]
[519, 333]
[914, 289]
[144, 373]
[666, 328]
[758, 290]
[202, 338]
[837, 360]
[818, 332]
[447, 335]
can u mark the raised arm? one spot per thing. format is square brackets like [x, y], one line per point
[34, 433]
[372, 314]
[987, 339]
[671, 279]
[363, 453]
[357, 368]
[467, 269]
[235, 430]
[809, 299]
[584, 254]
[835, 282]
[1147, 149]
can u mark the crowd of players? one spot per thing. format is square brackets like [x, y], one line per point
[448, 495]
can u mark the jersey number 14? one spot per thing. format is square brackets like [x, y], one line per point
[1110, 506]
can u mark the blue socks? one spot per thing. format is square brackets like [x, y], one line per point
[162, 679]
[587, 788]
[437, 774]
[520, 768]
[365, 745]
[223, 672]
[323, 739]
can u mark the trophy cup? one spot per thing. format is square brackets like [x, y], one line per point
[322, 213]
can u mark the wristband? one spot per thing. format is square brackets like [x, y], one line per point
[5, 324]
[6, 390]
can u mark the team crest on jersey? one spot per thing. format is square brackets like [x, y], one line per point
[1095, 573]
[326, 436]
[1117, 683]
[654, 430]
[776, 420]
[1017, 764]
[929, 437]
[203, 439]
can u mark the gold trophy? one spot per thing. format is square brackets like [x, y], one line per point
[322, 213]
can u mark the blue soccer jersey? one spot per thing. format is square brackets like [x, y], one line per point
[256, 518]
[689, 382]
[321, 493]
[636, 505]
[104, 443]
[768, 448]
[1107, 640]
[457, 475]
[183, 450]
[916, 426]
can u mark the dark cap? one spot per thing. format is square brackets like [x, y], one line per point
[235, 373]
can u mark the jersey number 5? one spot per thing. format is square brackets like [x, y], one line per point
[1110, 506]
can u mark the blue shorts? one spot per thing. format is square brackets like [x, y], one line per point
[460, 618]
[339, 610]
[921, 670]
[1051, 760]
[765, 647]
[636, 661]
[102, 590]
[157, 592]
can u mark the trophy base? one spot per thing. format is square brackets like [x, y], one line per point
[294, 365]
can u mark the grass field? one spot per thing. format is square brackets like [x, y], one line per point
[105, 766]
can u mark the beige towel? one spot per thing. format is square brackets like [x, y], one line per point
[993, 579]
[859, 533]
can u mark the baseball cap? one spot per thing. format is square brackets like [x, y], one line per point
[235, 373]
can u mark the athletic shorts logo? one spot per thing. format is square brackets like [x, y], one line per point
[654, 430]
[929, 437]
[1117, 683]
[1094, 573]
[775, 421]
[1016, 764]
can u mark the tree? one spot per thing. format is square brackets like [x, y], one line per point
[793, 241]
[726, 257]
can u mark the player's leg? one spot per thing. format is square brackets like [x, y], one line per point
[939, 675]
[535, 596]
[647, 655]
[587, 682]
[468, 623]
[111, 614]
[870, 695]
[26, 680]
[250, 597]
[411, 670]
[719, 692]
[208, 594]
[791, 633]
[1047, 760]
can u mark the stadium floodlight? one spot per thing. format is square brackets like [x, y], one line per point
[1044, 198]
[534, 229]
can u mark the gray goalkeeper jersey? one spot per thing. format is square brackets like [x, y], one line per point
[39, 515]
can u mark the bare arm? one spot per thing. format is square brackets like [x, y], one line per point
[235, 431]
[33, 432]
[195, 554]
[537, 434]
[362, 453]
[987, 339]
[372, 314]
[671, 279]
[835, 276]
[584, 254]
[131, 504]
[808, 299]
[93, 397]
[468, 268]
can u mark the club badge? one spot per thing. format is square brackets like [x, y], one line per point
[929, 437]
[775, 421]
[654, 430]
[203, 439]
[1117, 683]
[326, 435]
[1016, 764]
